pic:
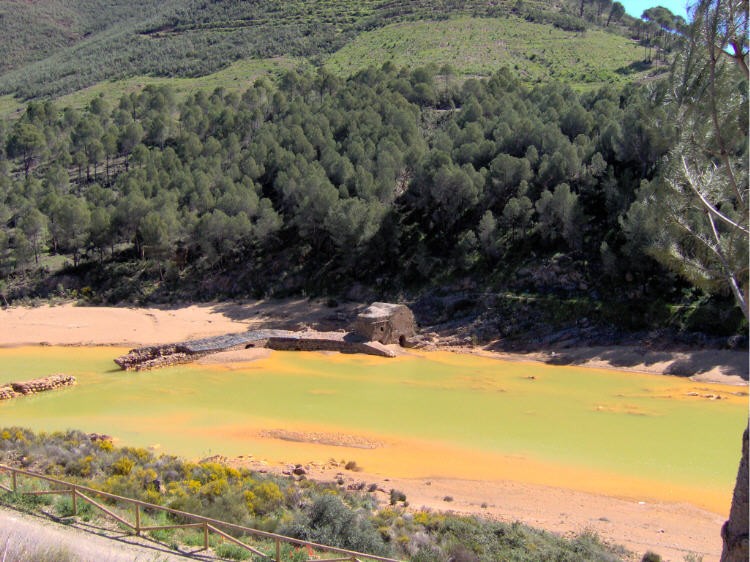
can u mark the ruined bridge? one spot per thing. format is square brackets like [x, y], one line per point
[380, 324]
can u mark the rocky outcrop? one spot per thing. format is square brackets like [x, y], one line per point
[734, 533]
[16, 389]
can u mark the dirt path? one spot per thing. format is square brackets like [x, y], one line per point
[25, 536]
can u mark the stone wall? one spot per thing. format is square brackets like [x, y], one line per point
[16, 389]
[153, 357]
[332, 341]
[156, 356]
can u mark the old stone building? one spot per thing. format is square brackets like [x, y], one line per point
[386, 323]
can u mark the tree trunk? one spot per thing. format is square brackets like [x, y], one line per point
[734, 533]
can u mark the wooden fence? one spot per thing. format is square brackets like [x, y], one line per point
[207, 525]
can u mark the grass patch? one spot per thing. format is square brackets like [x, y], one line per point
[232, 551]
[236, 77]
[479, 46]
[64, 508]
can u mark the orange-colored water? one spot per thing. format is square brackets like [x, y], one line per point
[429, 415]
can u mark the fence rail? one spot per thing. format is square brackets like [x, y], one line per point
[208, 525]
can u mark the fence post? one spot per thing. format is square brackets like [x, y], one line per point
[74, 496]
[14, 479]
[205, 535]
[137, 519]
[278, 550]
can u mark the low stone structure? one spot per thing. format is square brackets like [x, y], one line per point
[16, 389]
[386, 323]
[328, 341]
[185, 352]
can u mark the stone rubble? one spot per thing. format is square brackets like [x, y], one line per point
[51, 382]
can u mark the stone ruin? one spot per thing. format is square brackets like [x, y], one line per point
[16, 389]
[380, 324]
[155, 356]
[386, 323]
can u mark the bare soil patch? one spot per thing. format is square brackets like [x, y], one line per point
[672, 530]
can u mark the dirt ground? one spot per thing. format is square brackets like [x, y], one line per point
[672, 530]
[78, 325]
[25, 536]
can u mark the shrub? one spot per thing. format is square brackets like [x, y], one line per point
[233, 551]
[162, 535]
[330, 521]
[64, 507]
[397, 496]
[265, 498]
[122, 466]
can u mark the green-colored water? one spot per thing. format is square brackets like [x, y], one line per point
[614, 422]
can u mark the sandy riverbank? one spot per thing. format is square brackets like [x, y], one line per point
[673, 530]
[77, 325]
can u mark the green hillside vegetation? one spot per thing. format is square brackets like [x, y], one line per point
[195, 38]
[313, 180]
[237, 76]
[33, 30]
[319, 512]
[317, 184]
[479, 46]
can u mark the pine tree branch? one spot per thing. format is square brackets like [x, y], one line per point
[733, 284]
[706, 203]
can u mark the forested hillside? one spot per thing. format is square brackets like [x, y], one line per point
[395, 180]
[54, 48]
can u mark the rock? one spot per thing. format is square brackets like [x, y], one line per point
[299, 471]
[734, 532]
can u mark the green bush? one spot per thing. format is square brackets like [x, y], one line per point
[397, 496]
[306, 509]
[64, 507]
[232, 551]
[329, 521]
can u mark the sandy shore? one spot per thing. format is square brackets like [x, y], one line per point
[76, 325]
[673, 530]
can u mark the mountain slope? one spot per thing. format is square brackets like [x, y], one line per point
[58, 47]
[32, 31]
[479, 46]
